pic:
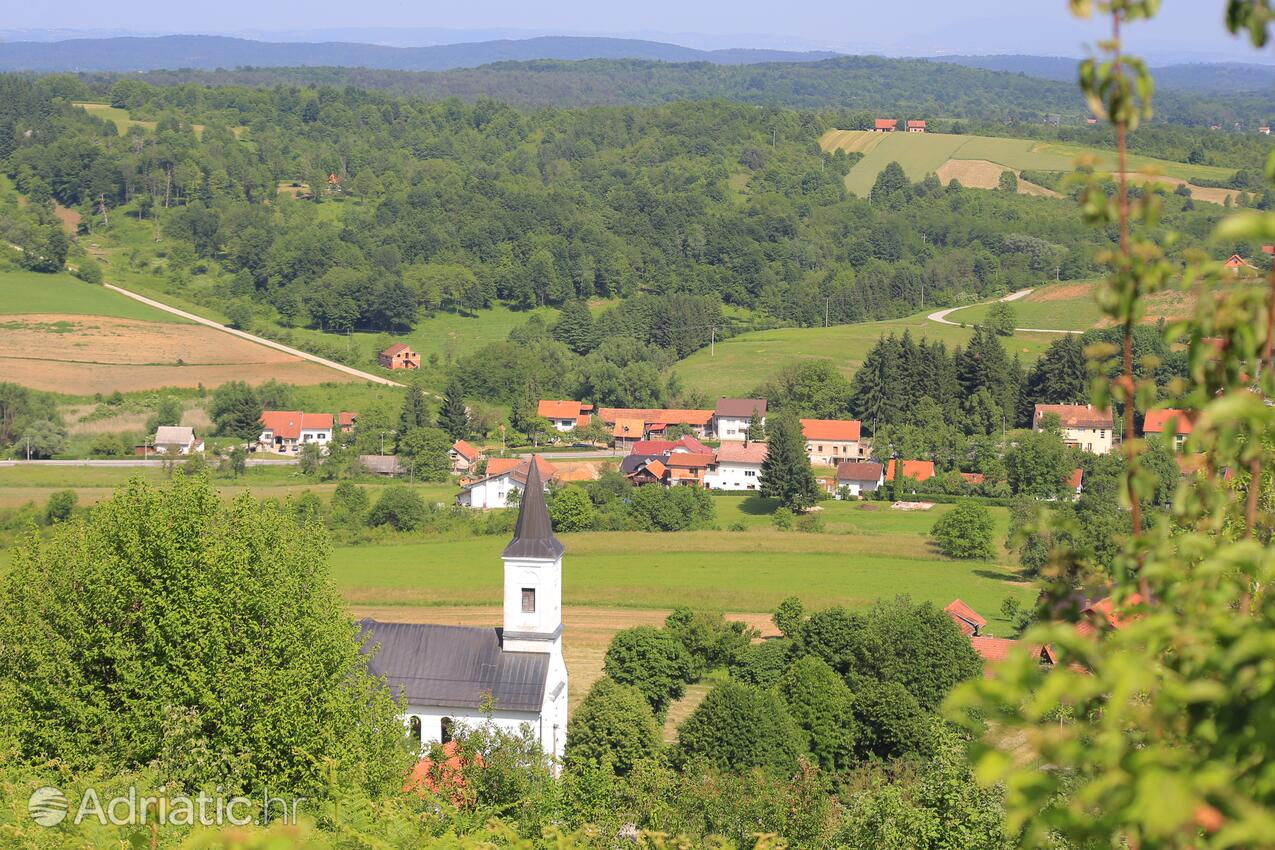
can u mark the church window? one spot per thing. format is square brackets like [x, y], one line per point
[528, 600]
[414, 726]
[445, 730]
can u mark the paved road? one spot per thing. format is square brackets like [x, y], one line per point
[269, 343]
[134, 461]
[941, 316]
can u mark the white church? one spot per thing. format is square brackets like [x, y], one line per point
[445, 673]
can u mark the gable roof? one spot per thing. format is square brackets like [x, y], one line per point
[692, 445]
[992, 648]
[629, 428]
[1075, 415]
[346, 417]
[1076, 479]
[740, 407]
[289, 424]
[652, 447]
[855, 471]
[964, 616]
[1235, 261]
[453, 666]
[561, 409]
[396, 348]
[831, 429]
[883, 123]
[1159, 421]
[684, 460]
[754, 453]
[656, 467]
[917, 470]
[915, 123]
[465, 450]
[673, 416]
[533, 533]
[382, 464]
[175, 434]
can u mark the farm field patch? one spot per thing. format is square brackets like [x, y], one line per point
[1071, 306]
[742, 362]
[32, 292]
[83, 355]
[981, 174]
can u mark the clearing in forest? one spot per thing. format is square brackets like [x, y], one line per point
[981, 174]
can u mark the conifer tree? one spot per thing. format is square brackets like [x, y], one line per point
[415, 410]
[786, 473]
[575, 327]
[756, 428]
[453, 416]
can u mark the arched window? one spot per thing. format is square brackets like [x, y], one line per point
[414, 729]
[445, 728]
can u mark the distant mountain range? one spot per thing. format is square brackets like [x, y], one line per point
[207, 52]
[1213, 76]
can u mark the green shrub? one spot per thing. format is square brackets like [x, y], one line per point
[614, 724]
[965, 532]
[653, 661]
[399, 507]
[740, 726]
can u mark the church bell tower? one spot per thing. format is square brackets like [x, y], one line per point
[533, 575]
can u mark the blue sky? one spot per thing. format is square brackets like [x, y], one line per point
[898, 27]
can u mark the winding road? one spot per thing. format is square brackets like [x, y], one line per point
[941, 316]
[268, 343]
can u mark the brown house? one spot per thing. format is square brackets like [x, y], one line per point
[399, 356]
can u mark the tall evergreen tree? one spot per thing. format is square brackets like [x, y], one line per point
[1061, 375]
[415, 410]
[575, 327]
[756, 428]
[786, 473]
[453, 416]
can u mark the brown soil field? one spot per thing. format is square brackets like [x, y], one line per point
[1070, 292]
[851, 141]
[981, 174]
[70, 218]
[195, 417]
[81, 356]
[1199, 193]
[586, 633]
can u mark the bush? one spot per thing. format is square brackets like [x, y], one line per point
[613, 724]
[965, 532]
[822, 706]
[782, 519]
[653, 661]
[890, 722]
[61, 505]
[89, 271]
[571, 510]
[763, 663]
[400, 507]
[738, 727]
[109, 445]
[810, 524]
[349, 502]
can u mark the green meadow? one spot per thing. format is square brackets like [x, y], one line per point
[741, 363]
[33, 292]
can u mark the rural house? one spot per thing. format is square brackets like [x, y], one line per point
[736, 467]
[1237, 265]
[918, 471]
[644, 469]
[831, 441]
[285, 431]
[346, 421]
[399, 356]
[630, 424]
[1176, 422]
[463, 456]
[683, 445]
[505, 475]
[966, 618]
[446, 675]
[176, 440]
[990, 648]
[1083, 425]
[564, 415]
[916, 126]
[388, 465]
[885, 125]
[732, 416]
[687, 470]
[857, 478]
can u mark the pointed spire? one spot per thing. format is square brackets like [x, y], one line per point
[533, 535]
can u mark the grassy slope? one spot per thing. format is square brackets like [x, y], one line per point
[922, 153]
[743, 362]
[1071, 306]
[32, 292]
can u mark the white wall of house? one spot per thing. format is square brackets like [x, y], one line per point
[316, 435]
[489, 493]
[564, 424]
[1099, 441]
[733, 476]
[732, 428]
[832, 452]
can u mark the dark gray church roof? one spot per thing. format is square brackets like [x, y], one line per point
[533, 535]
[453, 666]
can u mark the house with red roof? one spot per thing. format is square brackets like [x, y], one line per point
[286, 431]
[990, 648]
[885, 125]
[854, 478]
[737, 466]
[504, 476]
[630, 424]
[1237, 265]
[966, 618]
[1083, 425]
[829, 442]
[917, 470]
[464, 456]
[399, 356]
[346, 420]
[565, 415]
[916, 126]
[1170, 420]
[1076, 482]
[687, 470]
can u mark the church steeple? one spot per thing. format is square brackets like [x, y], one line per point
[533, 535]
[533, 574]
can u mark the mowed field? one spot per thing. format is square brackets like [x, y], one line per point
[924, 153]
[1071, 306]
[60, 334]
[743, 362]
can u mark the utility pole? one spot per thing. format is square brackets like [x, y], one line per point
[712, 341]
[826, 301]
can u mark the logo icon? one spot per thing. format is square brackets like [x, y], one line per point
[47, 806]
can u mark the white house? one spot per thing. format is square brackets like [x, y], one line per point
[285, 431]
[830, 442]
[505, 475]
[1083, 425]
[737, 467]
[448, 675]
[176, 440]
[732, 416]
[855, 478]
[565, 415]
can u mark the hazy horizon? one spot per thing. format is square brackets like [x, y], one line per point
[1184, 31]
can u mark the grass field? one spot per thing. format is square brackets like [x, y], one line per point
[744, 361]
[32, 292]
[923, 153]
[122, 121]
[1071, 306]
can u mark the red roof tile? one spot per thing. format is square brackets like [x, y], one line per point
[288, 424]
[886, 124]
[1075, 415]
[465, 450]
[652, 447]
[740, 453]
[993, 648]
[958, 610]
[554, 409]
[396, 348]
[973, 477]
[1076, 479]
[347, 417]
[688, 461]
[831, 429]
[675, 416]
[1159, 421]
[917, 470]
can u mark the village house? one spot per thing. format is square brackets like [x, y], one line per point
[1171, 420]
[346, 420]
[513, 676]
[918, 470]
[990, 648]
[855, 478]
[286, 431]
[732, 416]
[505, 475]
[630, 424]
[831, 441]
[564, 415]
[687, 470]
[973, 479]
[463, 456]
[387, 465]
[684, 445]
[1265, 130]
[399, 356]
[176, 440]
[916, 126]
[885, 125]
[643, 469]
[966, 618]
[1237, 265]
[1083, 425]
[736, 467]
